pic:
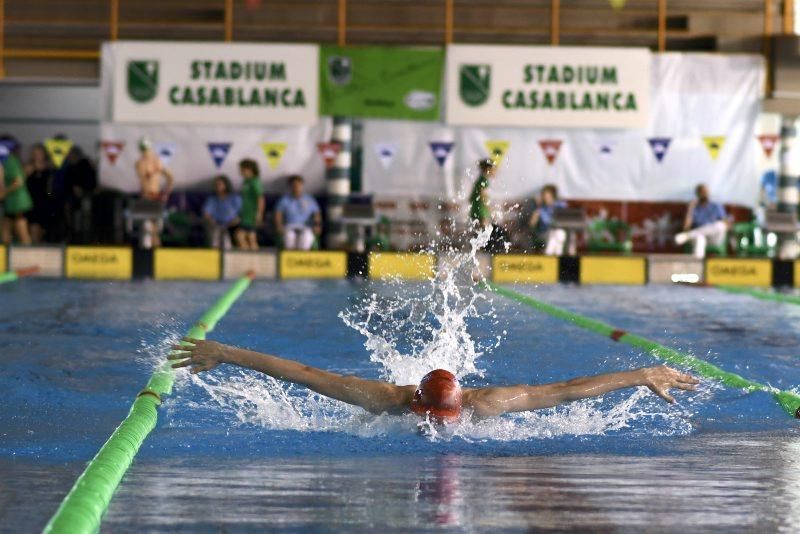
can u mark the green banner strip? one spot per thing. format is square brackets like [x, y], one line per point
[84, 506]
[761, 294]
[788, 400]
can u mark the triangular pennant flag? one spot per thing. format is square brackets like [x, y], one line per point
[112, 150]
[768, 143]
[617, 4]
[329, 151]
[714, 144]
[606, 147]
[58, 150]
[550, 147]
[166, 151]
[660, 145]
[6, 147]
[219, 151]
[497, 149]
[441, 150]
[385, 152]
[274, 153]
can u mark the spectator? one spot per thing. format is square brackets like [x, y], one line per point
[46, 219]
[252, 213]
[297, 217]
[221, 212]
[705, 221]
[541, 222]
[80, 182]
[16, 199]
[150, 170]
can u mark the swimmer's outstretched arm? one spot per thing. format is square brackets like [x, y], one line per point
[373, 395]
[498, 400]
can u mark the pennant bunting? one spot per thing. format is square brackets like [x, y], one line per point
[386, 152]
[497, 149]
[606, 147]
[112, 150]
[550, 148]
[218, 152]
[714, 145]
[166, 151]
[659, 145]
[6, 147]
[441, 150]
[768, 143]
[274, 153]
[329, 151]
[58, 150]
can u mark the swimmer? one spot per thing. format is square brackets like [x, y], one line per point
[438, 395]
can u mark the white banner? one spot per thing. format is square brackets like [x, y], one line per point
[212, 83]
[197, 155]
[573, 87]
[702, 128]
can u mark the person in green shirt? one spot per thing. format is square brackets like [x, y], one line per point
[16, 202]
[251, 215]
[479, 212]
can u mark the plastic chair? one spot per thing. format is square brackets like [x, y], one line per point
[750, 240]
[610, 235]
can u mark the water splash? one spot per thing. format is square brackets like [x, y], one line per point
[409, 330]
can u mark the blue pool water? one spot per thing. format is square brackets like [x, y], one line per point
[234, 451]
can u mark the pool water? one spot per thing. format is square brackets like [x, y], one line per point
[235, 451]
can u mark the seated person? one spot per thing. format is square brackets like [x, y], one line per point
[541, 222]
[297, 217]
[705, 221]
[221, 212]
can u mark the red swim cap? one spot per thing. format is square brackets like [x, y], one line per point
[439, 395]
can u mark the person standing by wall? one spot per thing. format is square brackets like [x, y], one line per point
[479, 212]
[252, 214]
[150, 170]
[298, 217]
[46, 219]
[16, 199]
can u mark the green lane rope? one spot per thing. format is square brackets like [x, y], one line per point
[760, 294]
[788, 400]
[84, 506]
[13, 276]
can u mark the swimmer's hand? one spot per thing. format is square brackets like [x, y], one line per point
[661, 379]
[202, 355]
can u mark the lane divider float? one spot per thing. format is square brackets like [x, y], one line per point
[83, 508]
[760, 294]
[788, 400]
[13, 276]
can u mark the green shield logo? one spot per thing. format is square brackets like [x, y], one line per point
[340, 70]
[142, 80]
[474, 83]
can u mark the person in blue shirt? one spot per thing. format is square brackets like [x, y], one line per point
[297, 217]
[221, 212]
[541, 222]
[705, 222]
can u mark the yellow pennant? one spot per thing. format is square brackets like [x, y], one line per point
[58, 150]
[617, 4]
[497, 150]
[274, 153]
[714, 145]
